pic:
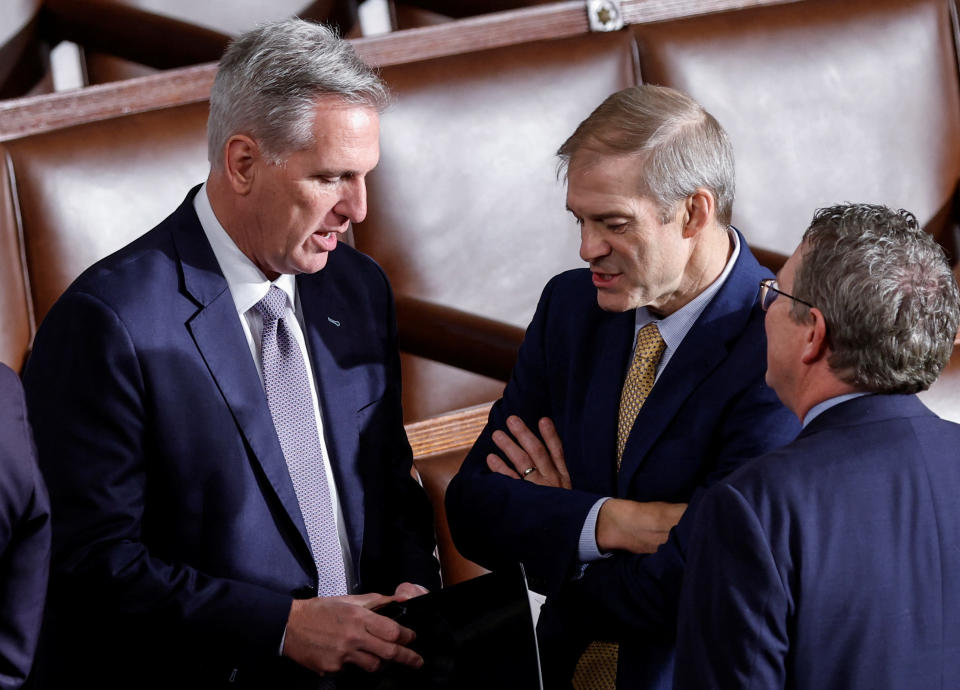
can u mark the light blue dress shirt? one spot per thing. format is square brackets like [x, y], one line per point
[673, 329]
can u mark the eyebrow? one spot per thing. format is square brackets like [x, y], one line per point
[602, 216]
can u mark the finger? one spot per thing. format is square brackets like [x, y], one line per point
[369, 601]
[515, 454]
[500, 467]
[365, 660]
[537, 452]
[388, 630]
[408, 590]
[390, 642]
[531, 445]
[550, 437]
[393, 652]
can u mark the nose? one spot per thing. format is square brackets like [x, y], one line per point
[353, 203]
[592, 244]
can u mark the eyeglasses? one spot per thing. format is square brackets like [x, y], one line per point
[769, 290]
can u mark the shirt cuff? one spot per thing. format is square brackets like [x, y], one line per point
[588, 550]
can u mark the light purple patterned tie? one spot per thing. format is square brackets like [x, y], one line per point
[291, 406]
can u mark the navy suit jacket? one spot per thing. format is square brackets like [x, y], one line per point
[178, 539]
[709, 411]
[24, 537]
[833, 562]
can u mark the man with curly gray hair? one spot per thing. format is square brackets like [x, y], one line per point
[835, 561]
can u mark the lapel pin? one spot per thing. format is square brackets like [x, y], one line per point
[334, 322]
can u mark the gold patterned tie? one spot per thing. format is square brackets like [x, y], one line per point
[597, 667]
[639, 381]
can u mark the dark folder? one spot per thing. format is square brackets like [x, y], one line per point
[476, 634]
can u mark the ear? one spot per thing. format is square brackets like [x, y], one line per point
[815, 345]
[241, 155]
[698, 211]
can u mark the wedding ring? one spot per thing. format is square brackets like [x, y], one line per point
[528, 471]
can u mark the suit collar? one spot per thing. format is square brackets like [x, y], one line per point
[868, 408]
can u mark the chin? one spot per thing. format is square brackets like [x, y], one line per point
[613, 303]
[313, 264]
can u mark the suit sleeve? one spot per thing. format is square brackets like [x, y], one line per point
[497, 520]
[734, 607]
[631, 594]
[24, 536]
[93, 430]
[410, 543]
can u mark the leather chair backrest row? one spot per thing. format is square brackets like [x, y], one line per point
[824, 102]
[828, 102]
[465, 207]
[466, 185]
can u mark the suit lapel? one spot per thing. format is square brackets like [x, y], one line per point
[702, 350]
[331, 338]
[615, 338]
[219, 337]
[697, 356]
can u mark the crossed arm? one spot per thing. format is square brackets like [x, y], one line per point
[621, 524]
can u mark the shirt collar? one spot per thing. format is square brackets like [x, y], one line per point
[247, 283]
[825, 405]
[674, 328]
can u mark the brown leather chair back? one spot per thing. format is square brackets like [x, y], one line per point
[825, 102]
[465, 208]
[85, 191]
[15, 313]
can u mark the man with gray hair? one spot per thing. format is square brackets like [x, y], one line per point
[217, 410]
[644, 377]
[835, 561]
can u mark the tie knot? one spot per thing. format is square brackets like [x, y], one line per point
[649, 341]
[273, 304]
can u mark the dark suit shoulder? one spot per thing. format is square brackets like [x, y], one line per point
[866, 437]
[147, 262]
[571, 298]
[575, 284]
[18, 477]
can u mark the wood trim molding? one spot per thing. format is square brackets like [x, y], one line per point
[31, 115]
[457, 429]
[20, 117]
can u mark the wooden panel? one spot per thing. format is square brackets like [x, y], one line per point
[457, 429]
[20, 117]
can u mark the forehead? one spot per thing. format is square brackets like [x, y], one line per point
[596, 179]
[344, 130]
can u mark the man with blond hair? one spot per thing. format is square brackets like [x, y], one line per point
[643, 377]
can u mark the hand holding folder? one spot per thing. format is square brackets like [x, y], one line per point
[475, 634]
